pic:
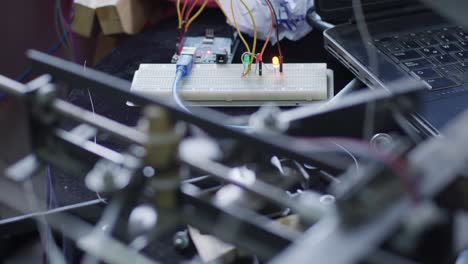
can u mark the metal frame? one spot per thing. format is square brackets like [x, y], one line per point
[78, 155]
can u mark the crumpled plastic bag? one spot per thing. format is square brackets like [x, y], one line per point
[291, 15]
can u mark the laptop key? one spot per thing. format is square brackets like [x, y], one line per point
[428, 41]
[394, 48]
[389, 47]
[430, 51]
[426, 74]
[406, 55]
[464, 38]
[412, 36]
[445, 30]
[410, 44]
[447, 37]
[439, 83]
[445, 59]
[449, 47]
[448, 70]
[463, 67]
[385, 39]
[462, 34]
[462, 55]
[417, 64]
[463, 44]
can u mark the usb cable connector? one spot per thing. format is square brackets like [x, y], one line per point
[185, 61]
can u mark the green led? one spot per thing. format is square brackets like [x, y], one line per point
[246, 59]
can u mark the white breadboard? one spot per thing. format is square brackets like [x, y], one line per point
[216, 84]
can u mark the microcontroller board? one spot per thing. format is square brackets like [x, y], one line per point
[211, 49]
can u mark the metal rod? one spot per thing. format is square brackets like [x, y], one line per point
[352, 86]
[12, 87]
[259, 188]
[402, 87]
[62, 209]
[81, 154]
[92, 147]
[126, 133]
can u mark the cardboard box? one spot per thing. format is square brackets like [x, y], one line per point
[122, 16]
[84, 22]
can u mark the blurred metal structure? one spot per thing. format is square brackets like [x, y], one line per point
[152, 186]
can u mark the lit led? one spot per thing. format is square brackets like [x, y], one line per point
[208, 52]
[246, 59]
[275, 62]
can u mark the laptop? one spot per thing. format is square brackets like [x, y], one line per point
[406, 39]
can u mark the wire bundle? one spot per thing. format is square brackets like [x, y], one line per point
[277, 28]
[62, 26]
[251, 52]
[184, 22]
[254, 46]
[272, 25]
[184, 19]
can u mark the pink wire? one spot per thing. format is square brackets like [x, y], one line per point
[187, 16]
[271, 29]
[183, 9]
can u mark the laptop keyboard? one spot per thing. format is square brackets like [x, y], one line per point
[437, 57]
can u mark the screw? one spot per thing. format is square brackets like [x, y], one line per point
[382, 141]
[181, 240]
